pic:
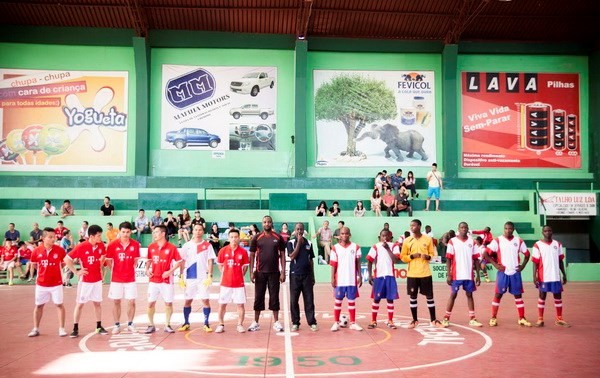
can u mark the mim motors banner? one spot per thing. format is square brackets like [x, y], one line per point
[63, 121]
[219, 108]
[521, 120]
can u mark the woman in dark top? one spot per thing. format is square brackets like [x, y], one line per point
[213, 237]
[321, 210]
[253, 230]
[285, 232]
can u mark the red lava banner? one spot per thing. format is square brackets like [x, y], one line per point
[520, 120]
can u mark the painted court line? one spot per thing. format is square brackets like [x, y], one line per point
[289, 355]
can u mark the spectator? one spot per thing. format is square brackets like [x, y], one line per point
[48, 210]
[60, 230]
[107, 208]
[24, 251]
[253, 230]
[66, 243]
[376, 202]
[12, 234]
[428, 231]
[199, 220]
[386, 227]
[434, 186]
[213, 237]
[156, 220]
[35, 235]
[141, 224]
[335, 210]
[387, 202]
[379, 182]
[325, 235]
[336, 233]
[397, 180]
[171, 224]
[359, 210]
[401, 203]
[66, 210]
[84, 231]
[285, 232]
[185, 226]
[8, 259]
[385, 180]
[321, 210]
[409, 183]
[111, 233]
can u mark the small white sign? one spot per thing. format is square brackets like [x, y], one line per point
[218, 154]
[568, 204]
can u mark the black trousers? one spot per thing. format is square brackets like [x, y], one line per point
[262, 282]
[302, 283]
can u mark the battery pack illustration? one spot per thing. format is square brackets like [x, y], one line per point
[543, 128]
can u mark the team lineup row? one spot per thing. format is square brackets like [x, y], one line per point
[267, 258]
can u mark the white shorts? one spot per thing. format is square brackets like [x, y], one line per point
[89, 291]
[236, 295]
[43, 294]
[120, 290]
[6, 265]
[195, 287]
[165, 290]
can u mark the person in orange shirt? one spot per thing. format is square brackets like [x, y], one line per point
[111, 233]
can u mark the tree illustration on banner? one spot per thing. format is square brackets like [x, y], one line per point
[355, 101]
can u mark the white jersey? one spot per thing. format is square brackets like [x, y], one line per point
[508, 252]
[196, 256]
[345, 258]
[462, 253]
[547, 257]
[384, 266]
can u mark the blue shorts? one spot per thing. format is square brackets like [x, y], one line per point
[551, 287]
[384, 288]
[350, 292]
[433, 192]
[513, 283]
[23, 261]
[468, 286]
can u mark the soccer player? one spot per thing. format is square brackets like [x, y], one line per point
[47, 258]
[267, 250]
[91, 255]
[123, 255]
[233, 263]
[384, 284]
[461, 257]
[302, 278]
[508, 248]
[199, 257]
[163, 260]
[417, 251]
[346, 277]
[547, 257]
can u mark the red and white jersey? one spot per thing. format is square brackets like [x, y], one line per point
[49, 265]
[9, 253]
[345, 259]
[508, 252]
[233, 262]
[162, 260]
[89, 255]
[196, 256]
[547, 257]
[59, 232]
[25, 252]
[123, 257]
[384, 266]
[462, 253]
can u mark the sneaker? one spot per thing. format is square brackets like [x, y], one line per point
[277, 326]
[131, 328]
[62, 332]
[487, 279]
[295, 327]
[437, 324]
[523, 322]
[391, 325]
[220, 328]
[413, 324]
[240, 328]
[372, 325]
[417, 195]
[355, 327]
[168, 329]
[539, 323]
[116, 330]
[493, 322]
[183, 328]
[150, 329]
[29, 280]
[335, 327]
[562, 323]
[314, 327]
[445, 323]
[207, 328]
[34, 332]
[10, 283]
[101, 331]
[74, 334]
[254, 327]
[475, 323]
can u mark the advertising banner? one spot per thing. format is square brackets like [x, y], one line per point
[374, 118]
[520, 120]
[63, 120]
[219, 108]
[567, 204]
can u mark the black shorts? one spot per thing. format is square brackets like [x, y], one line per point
[423, 285]
[262, 282]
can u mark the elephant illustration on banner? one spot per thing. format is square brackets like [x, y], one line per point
[410, 141]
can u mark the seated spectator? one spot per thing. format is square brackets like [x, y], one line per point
[48, 210]
[359, 210]
[107, 208]
[12, 234]
[397, 180]
[401, 203]
[171, 224]
[198, 220]
[156, 220]
[8, 259]
[84, 231]
[324, 236]
[386, 227]
[66, 210]
[285, 232]
[376, 202]
[387, 202]
[335, 210]
[379, 182]
[185, 226]
[141, 224]
[253, 230]
[111, 233]
[336, 233]
[213, 237]
[35, 235]
[385, 180]
[409, 183]
[23, 262]
[60, 230]
[321, 210]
